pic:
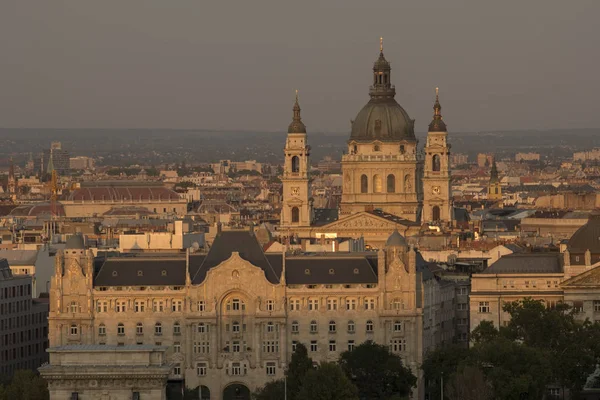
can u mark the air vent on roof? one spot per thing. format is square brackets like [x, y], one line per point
[164, 272]
[307, 271]
[114, 273]
[356, 271]
[140, 273]
[331, 271]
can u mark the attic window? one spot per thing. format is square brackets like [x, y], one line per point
[164, 272]
[114, 273]
[307, 271]
[331, 271]
[355, 271]
[140, 273]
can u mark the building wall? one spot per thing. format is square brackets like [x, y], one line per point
[23, 325]
[74, 209]
[197, 321]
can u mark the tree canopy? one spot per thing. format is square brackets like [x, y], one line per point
[377, 373]
[327, 382]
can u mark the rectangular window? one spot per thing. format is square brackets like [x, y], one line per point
[313, 304]
[332, 345]
[578, 306]
[201, 305]
[236, 346]
[397, 345]
[484, 307]
[121, 306]
[177, 347]
[350, 304]
[270, 305]
[463, 291]
[332, 304]
[236, 368]
[369, 304]
[177, 306]
[294, 345]
[313, 345]
[158, 306]
[271, 368]
[462, 306]
[596, 305]
[177, 369]
[295, 305]
[397, 326]
[350, 345]
[139, 306]
[271, 346]
[201, 369]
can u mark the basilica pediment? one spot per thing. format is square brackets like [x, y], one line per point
[362, 221]
[589, 278]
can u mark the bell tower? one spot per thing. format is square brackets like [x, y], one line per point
[494, 188]
[436, 177]
[297, 208]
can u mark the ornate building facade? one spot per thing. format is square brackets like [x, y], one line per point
[383, 167]
[231, 318]
[296, 210]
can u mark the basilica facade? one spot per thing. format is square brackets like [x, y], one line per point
[230, 319]
[383, 170]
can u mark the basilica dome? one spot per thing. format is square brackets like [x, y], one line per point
[382, 118]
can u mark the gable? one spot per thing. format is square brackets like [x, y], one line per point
[363, 220]
[587, 279]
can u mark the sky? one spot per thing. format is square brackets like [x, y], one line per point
[234, 65]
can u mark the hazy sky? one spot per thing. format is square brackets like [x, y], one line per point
[510, 64]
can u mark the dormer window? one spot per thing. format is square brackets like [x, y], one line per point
[164, 272]
[331, 271]
[307, 271]
[114, 273]
[376, 147]
[140, 273]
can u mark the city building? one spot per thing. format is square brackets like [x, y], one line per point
[484, 160]
[135, 372]
[459, 159]
[233, 316]
[527, 157]
[81, 162]
[494, 187]
[23, 324]
[589, 155]
[57, 159]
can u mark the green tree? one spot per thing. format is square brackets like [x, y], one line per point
[26, 385]
[468, 383]
[572, 345]
[513, 368]
[442, 362]
[484, 332]
[377, 373]
[327, 382]
[299, 366]
[274, 390]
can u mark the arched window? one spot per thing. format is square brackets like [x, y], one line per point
[364, 184]
[391, 183]
[351, 327]
[295, 214]
[314, 327]
[332, 326]
[139, 328]
[402, 149]
[376, 147]
[435, 163]
[377, 184]
[121, 329]
[295, 164]
[369, 326]
[102, 330]
[435, 213]
[355, 149]
[74, 330]
[158, 329]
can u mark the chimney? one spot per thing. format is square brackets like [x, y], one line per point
[218, 227]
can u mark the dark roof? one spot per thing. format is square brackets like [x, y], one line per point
[394, 218]
[305, 270]
[395, 239]
[528, 263]
[38, 209]
[142, 271]
[587, 237]
[245, 244]
[75, 242]
[324, 216]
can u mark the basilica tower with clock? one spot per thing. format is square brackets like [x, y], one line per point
[296, 210]
[436, 177]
